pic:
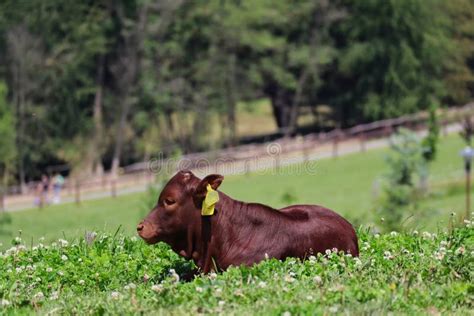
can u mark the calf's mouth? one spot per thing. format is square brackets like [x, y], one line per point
[148, 232]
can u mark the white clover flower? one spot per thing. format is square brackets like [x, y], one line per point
[309, 298]
[212, 276]
[335, 250]
[328, 251]
[238, 292]
[312, 258]
[54, 245]
[158, 288]
[49, 269]
[174, 275]
[81, 282]
[115, 295]
[266, 256]
[317, 279]
[387, 255]
[439, 255]
[426, 235]
[19, 269]
[63, 243]
[358, 262]
[64, 258]
[54, 296]
[262, 284]
[415, 232]
[4, 302]
[130, 286]
[287, 313]
[38, 280]
[221, 303]
[443, 243]
[18, 240]
[38, 296]
[41, 239]
[199, 289]
[61, 273]
[377, 236]
[146, 277]
[289, 279]
[393, 234]
[460, 250]
[133, 238]
[333, 309]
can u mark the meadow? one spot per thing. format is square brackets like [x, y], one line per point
[408, 273]
[348, 184]
[86, 259]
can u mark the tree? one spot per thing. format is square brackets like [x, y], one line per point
[459, 74]
[391, 59]
[407, 166]
[7, 141]
[430, 142]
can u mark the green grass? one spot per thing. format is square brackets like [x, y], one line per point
[408, 273]
[345, 184]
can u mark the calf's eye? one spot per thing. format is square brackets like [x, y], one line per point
[169, 202]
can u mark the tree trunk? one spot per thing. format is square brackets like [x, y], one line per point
[231, 100]
[97, 140]
[127, 73]
[119, 135]
[281, 109]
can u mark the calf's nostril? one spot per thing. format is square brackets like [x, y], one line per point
[140, 227]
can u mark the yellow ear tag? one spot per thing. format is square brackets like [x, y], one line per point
[210, 201]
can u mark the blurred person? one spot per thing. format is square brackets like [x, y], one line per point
[44, 190]
[58, 182]
[38, 193]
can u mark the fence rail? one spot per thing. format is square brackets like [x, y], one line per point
[143, 173]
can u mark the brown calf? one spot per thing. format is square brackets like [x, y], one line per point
[238, 232]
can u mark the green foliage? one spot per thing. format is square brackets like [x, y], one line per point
[407, 166]
[396, 273]
[7, 131]
[430, 142]
[184, 66]
[391, 58]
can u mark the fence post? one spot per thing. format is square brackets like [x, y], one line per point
[335, 146]
[362, 139]
[305, 150]
[113, 186]
[445, 127]
[77, 194]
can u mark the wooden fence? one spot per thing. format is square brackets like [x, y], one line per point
[144, 173]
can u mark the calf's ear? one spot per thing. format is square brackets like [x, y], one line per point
[214, 180]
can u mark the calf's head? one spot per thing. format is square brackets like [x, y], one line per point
[178, 207]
